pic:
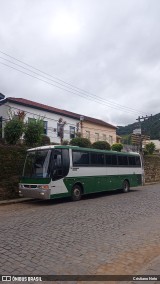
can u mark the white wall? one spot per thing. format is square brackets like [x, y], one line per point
[51, 118]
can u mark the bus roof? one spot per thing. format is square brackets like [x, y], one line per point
[80, 149]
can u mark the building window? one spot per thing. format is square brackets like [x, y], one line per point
[110, 140]
[88, 134]
[104, 137]
[96, 136]
[72, 132]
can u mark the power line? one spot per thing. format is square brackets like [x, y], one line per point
[114, 107]
[72, 87]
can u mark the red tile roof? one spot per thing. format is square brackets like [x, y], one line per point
[36, 105]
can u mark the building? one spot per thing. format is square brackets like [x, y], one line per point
[54, 118]
[97, 130]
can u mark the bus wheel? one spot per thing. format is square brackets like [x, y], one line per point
[125, 186]
[76, 192]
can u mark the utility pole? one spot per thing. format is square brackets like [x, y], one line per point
[142, 118]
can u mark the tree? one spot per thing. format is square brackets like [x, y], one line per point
[102, 145]
[13, 130]
[81, 142]
[117, 147]
[61, 124]
[45, 140]
[150, 148]
[33, 132]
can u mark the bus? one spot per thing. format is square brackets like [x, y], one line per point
[70, 171]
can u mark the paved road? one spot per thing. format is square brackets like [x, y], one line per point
[101, 234]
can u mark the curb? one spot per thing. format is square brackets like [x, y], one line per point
[17, 200]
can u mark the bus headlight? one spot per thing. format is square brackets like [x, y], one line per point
[44, 186]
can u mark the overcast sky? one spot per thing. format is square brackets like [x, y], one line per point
[110, 49]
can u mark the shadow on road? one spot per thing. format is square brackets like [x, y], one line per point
[38, 202]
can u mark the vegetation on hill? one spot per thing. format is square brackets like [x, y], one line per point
[150, 126]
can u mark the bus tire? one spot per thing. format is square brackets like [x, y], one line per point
[125, 186]
[76, 192]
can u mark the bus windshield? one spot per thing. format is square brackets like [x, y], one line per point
[37, 164]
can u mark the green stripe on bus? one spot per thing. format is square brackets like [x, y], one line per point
[92, 184]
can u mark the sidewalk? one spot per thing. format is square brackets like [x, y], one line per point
[152, 269]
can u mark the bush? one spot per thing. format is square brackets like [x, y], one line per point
[102, 145]
[117, 147]
[2, 141]
[13, 130]
[150, 148]
[33, 133]
[12, 158]
[81, 142]
[45, 140]
[65, 142]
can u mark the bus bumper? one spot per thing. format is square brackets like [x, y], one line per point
[34, 192]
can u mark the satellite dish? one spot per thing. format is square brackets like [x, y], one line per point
[2, 96]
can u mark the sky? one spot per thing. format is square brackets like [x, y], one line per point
[99, 58]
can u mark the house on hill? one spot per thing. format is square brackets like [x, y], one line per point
[91, 128]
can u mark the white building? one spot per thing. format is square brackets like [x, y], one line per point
[50, 115]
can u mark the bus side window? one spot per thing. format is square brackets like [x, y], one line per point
[97, 159]
[114, 160]
[108, 159]
[80, 158]
[132, 161]
[122, 160]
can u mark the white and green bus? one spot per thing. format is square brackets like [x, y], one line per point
[61, 171]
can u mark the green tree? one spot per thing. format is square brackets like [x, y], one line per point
[150, 148]
[126, 139]
[33, 132]
[13, 130]
[102, 145]
[81, 142]
[117, 147]
[45, 140]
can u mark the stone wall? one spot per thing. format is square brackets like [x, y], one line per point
[152, 168]
[11, 166]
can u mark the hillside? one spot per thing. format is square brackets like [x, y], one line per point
[150, 127]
